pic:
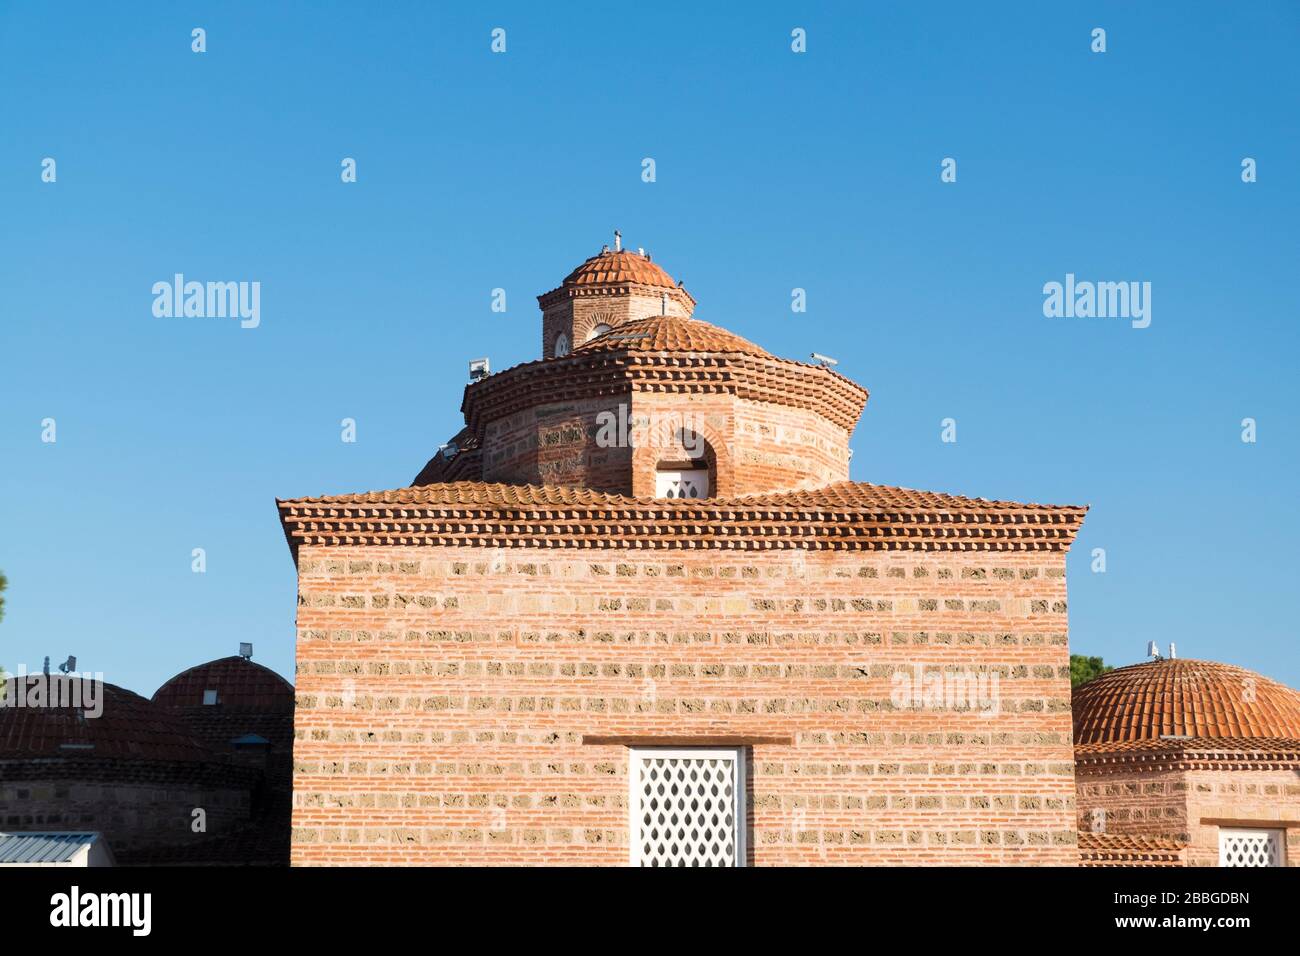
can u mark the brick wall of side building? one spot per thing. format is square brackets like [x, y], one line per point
[1241, 798]
[444, 695]
[1133, 803]
[135, 804]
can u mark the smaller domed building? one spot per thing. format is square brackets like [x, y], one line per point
[1187, 762]
[241, 712]
[132, 771]
[87, 756]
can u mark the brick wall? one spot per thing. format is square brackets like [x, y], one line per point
[136, 804]
[782, 448]
[444, 695]
[1134, 803]
[555, 444]
[1254, 797]
[1178, 804]
[752, 446]
[576, 316]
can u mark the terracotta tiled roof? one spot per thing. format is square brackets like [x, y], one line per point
[1183, 698]
[670, 333]
[619, 268]
[128, 727]
[841, 516]
[842, 494]
[464, 464]
[240, 684]
[1105, 849]
[621, 370]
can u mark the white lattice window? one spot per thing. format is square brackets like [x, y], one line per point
[1252, 847]
[561, 345]
[687, 807]
[689, 483]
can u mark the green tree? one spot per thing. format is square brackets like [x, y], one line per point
[1084, 669]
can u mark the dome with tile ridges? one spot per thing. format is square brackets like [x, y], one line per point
[240, 685]
[1183, 698]
[619, 267]
[670, 333]
[127, 725]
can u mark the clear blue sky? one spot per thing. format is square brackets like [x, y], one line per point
[775, 171]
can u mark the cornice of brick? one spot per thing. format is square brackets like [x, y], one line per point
[846, 516]
[1199, 754]
[556, 296]
[585, 375]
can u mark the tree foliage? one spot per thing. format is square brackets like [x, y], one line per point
[1084, 669]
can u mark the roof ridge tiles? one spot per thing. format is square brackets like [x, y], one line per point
[844, 515]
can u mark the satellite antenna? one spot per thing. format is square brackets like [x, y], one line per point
[479, 369]
[68, 666]
[1153, 650]
[246, 650]
[1173, 650]
[824, 360]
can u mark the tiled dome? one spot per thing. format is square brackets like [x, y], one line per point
[1183, 698]
[129, 727]
[239, 683]
[670, 333]
[619, 268]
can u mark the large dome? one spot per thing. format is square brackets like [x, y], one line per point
[240, 685]
[128, 727]
[1183, 698]
[619, 267]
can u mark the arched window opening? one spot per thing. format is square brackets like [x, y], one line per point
[599, 329]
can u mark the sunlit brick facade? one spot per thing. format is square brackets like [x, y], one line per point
[500, 662]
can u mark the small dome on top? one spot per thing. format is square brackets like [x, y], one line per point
[670, 333]
[1183, 698]
[619, 267]
[231, 683]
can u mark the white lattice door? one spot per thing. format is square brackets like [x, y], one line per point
[1251, 848]
[687, 807]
